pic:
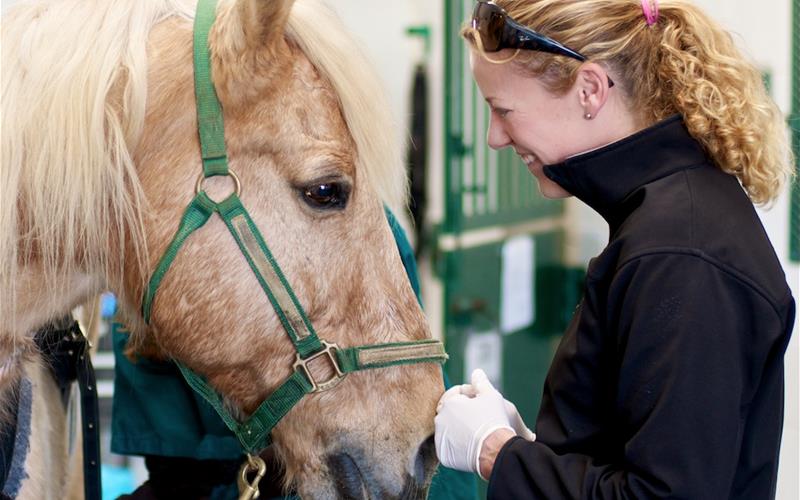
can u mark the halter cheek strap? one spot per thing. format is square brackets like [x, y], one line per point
[254, 433]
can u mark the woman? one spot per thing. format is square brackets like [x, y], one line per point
[669, 380]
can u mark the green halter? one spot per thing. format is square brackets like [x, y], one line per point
[254, 434]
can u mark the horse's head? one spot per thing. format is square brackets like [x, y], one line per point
[306, 135]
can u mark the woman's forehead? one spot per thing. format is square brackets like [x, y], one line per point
[497, 81]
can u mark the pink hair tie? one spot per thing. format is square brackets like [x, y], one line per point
[650, 10]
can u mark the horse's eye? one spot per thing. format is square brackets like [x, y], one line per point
[327, 195]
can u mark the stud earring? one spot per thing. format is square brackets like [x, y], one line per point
[588, 116]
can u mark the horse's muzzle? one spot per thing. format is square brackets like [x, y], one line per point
[354, 479]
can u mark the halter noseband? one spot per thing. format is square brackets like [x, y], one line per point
[254, 433]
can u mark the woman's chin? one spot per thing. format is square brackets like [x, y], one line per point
[547, 187]
[551, 190]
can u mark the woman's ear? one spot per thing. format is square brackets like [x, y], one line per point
[592, 86]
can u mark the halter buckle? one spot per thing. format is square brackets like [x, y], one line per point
[330, 383]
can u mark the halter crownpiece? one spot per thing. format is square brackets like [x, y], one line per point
[650, 11]
[254, 433]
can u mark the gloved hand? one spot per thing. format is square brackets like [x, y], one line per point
[514, 417]
[467, 414]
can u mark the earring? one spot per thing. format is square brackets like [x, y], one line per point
[588, 116]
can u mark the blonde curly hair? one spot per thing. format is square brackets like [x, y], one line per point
[685, 63]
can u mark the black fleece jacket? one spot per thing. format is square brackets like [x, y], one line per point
[669, 381]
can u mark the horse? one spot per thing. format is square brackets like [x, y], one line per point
[100, 156]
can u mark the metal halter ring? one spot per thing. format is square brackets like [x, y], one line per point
[330, 383]
[237, 185]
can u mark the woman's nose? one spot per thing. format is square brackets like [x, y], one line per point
[496, 135]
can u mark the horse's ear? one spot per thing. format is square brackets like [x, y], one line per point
[263, 23]
[250, 49]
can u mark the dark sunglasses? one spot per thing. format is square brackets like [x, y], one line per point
[499, 31]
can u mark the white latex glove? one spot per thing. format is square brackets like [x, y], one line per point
[484, 383]
[517, 424]
[466, 415]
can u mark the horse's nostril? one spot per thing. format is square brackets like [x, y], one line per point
[425, 463]
[347, 477]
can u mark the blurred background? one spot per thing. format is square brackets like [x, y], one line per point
[501, 266]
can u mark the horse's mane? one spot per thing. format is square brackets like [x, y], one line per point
[73, 104]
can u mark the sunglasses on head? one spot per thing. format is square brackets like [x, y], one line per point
[498, 31]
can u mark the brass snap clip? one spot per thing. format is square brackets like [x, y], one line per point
[248, 490]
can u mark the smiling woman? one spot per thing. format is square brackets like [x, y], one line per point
[523, 112]
[668, 381]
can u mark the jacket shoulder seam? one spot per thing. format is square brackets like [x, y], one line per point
[699, 254]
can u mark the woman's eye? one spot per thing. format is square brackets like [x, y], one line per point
[327, 195]
[501, 112]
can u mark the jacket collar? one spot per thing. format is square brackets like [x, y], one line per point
[603, 178]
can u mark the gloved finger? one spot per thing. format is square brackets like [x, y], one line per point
[451, 394]
[517, 423]
[481, 383]
[468, 390]
[478, 376]
[527, 434]
[511, 408]
[447, 452]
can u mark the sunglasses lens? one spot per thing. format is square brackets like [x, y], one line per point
[489, 20]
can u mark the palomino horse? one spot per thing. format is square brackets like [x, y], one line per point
[100, 158]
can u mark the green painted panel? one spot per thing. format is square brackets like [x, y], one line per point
[475, 308]
[474, 313]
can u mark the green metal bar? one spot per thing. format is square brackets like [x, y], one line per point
[487, 154]
[529, 192]
[491, 184]
[451, 100]
[513, 187]
[517, 181]
[468, 102]
[452, 115]
[476, 142]
[502, 191]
